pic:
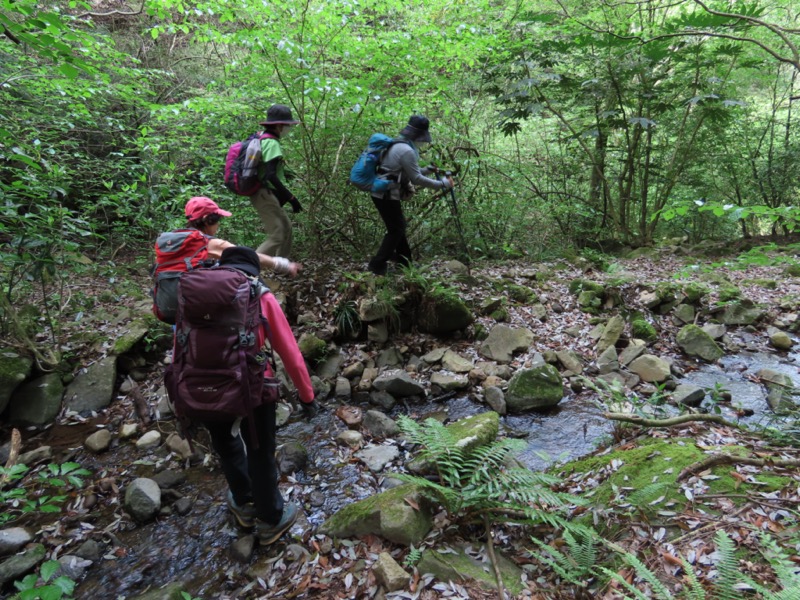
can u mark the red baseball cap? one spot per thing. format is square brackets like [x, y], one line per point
[200, 206]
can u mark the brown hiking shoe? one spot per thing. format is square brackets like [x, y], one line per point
[268, 534]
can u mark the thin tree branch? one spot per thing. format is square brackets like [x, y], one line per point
[716, 460]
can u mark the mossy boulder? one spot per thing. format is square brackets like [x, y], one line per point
[728, 292]
[739, 313]
[643, 330]
[535, 388]
[611, 333]
[694, 292]
[471, 432]
[389, 514]
[37, 402]
[14, 369]
[576, 286]
[792, 270]
[648, 472]
[696, 342]
[443, 313]
[521, 294]
[137, 330]
[312, 348]
[459, 565]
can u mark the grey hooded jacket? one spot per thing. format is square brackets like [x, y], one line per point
[401, 164]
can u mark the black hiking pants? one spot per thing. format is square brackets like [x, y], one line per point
[395, 244]
[251, 476]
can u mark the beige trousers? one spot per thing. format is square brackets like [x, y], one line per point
[276, 224]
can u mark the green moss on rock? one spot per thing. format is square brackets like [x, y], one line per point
[643, 330]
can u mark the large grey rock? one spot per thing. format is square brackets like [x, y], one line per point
[19, 565]
[780, 390]
[608, 361]
[389, 514]
[781, 340]
[399, 384]
[93, 389]
[715, 330]
[696, 342]
[331, 366]
[389, 574]
[738, 313]
[377, 457]
[383, 400]
[372, 309]
[443, 314]
[684, 313]
[611, 333]
[37, 402]
[459, 564]
[14, 369]
[291, 457]
[496, 399]
[632, 351]
[688, 395]
[452, 361]
[570, 361]
[651, 368]
[390, 357]
[99, 441]
[378, 332]
[143, 499]
[539, 387]
[449, 382]
[13, 538]
[379, 424]
[503, 341]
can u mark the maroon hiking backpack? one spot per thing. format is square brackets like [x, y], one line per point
[217, 370]
[241, 165]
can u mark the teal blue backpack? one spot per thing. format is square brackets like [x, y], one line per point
[364, 174]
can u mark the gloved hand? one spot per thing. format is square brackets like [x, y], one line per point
[296, 206]
[310, 409]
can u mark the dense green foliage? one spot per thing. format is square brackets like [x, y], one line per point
[567, 123]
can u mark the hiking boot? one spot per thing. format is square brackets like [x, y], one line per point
[245, 514]
[268, 534]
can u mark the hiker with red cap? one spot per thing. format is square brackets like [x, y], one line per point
[196, 246]
[274, 176]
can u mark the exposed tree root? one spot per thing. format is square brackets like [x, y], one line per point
[679, 420]
[716, 460]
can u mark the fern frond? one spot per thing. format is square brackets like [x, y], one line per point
[648, 493]
[637, 595]
[642, 571]
[441, 494]
[564, 566]
[727, 568]
[695, 589]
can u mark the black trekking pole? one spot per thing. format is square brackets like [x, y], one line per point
[454, 210]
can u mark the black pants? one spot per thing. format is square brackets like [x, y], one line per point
[395, 244]
[251, 475]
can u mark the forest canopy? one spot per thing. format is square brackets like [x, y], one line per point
[567, 123]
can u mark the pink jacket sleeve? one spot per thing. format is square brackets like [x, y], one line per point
[283, 342]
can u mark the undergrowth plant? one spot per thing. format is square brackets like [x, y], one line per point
[44, 585]
[579, 562]
[43, 493]
[482, 482]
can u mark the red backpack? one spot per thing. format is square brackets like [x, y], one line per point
[217, 370]
[241, 165]
[177, 252]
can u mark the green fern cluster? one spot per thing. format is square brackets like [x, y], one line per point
[577, 565]
[480, 482]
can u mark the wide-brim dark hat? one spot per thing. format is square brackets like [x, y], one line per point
[243, 258]
[279, 114]
[417, 129]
